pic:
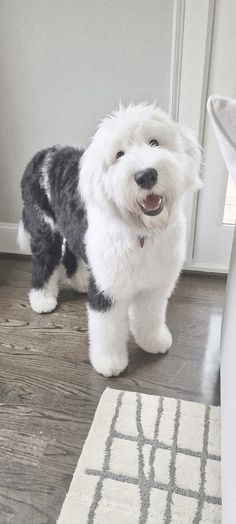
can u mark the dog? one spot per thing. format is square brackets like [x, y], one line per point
[112, 215]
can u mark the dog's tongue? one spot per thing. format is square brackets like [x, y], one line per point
[152, 202]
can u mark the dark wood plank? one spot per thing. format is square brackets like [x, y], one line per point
[49, 391]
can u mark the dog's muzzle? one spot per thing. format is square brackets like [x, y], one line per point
[146, 178]
[152, 204]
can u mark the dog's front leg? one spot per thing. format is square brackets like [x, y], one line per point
[108, 334]
[147, 321]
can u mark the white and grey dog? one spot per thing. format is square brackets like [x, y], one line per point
[113, 216]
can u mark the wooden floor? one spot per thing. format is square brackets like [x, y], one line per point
[49, 391]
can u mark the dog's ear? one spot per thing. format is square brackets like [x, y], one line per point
[192, 158]
[91, 165]
[86, 175]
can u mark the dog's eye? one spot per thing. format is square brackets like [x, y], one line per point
[119, 154]
[154, 143]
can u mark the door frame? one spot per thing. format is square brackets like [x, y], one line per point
[191, 75]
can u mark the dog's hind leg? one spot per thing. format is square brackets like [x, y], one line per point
[76, 271]
[80, 279]
[46, 255]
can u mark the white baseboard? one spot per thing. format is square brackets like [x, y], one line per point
[205, 268]
[8, 239]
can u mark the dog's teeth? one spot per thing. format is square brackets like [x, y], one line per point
[152, 205]
[152, 202]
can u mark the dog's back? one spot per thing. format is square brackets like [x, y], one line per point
[49, 184]
[54, 218]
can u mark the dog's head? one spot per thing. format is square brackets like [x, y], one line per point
[140, 163]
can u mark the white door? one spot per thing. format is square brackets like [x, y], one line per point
[216, 208]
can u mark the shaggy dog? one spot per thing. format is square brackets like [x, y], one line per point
[113, 216]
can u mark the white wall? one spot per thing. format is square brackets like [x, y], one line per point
[66, 63]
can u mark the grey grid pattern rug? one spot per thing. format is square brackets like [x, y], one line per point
[147, 460]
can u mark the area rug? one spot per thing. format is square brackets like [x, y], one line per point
[147, 460]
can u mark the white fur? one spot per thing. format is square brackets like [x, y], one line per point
[23, 237]
[45, 300]
[44, 180]
[43, 217]
[138, 280]
[108, 340]
[80, 280]
[49, 220]
[149, 329]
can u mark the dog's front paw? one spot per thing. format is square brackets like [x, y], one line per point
[109, 366]
[160, 342]
[41, 301]
[164, 340]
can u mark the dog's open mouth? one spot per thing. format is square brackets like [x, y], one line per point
[152, 205]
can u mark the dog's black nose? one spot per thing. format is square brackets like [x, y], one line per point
[146, 178]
